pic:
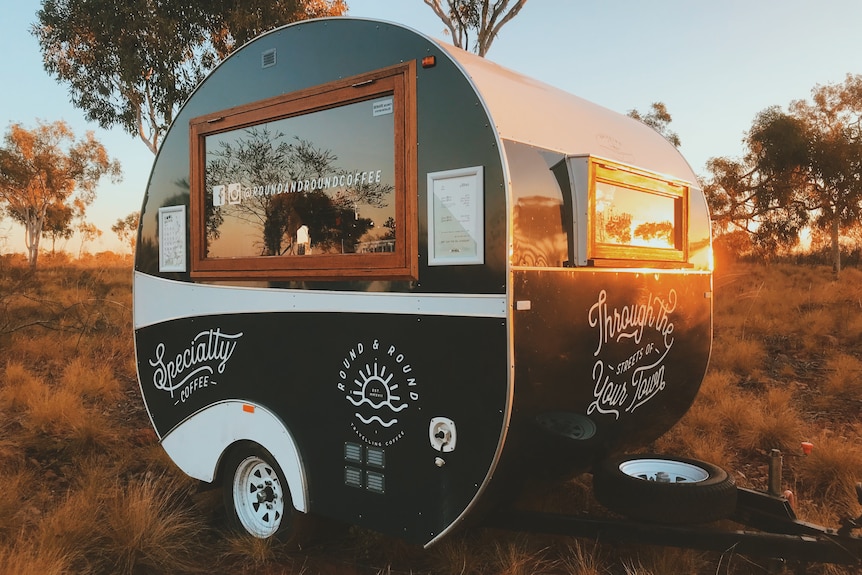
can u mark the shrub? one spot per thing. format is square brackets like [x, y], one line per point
[844, 377]
[829, 473]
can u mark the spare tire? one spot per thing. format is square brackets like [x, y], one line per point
[662, 489]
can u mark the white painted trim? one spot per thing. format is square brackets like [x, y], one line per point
[199, 443]
[157, 300]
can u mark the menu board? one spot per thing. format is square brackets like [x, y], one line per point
[456, 212]
[172, 239]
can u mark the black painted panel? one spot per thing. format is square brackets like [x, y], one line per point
[605, 360]
[374, 381]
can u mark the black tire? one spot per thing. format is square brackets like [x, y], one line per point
[256, 496]
[696, 491]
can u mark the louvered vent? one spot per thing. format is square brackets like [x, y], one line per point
[267, 59]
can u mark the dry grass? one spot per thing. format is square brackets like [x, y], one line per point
[652, 561]
[772, 423]
[86, 489]
[832, 469]
[21, 387]
[844, 376]
[250, 551]
[78, 495]
[34, 561]
[147, 526]
[93, 382]
[15, 479]
[743, 356]
[519, 556]
[106, 526]
[457, 555]
[582, 558]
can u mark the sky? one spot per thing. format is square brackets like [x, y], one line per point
[714, 64]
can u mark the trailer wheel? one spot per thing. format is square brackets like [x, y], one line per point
[662, 489]
[257, 499]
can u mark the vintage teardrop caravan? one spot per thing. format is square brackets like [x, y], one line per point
[379, 279]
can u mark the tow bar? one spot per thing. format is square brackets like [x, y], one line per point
[773, 529]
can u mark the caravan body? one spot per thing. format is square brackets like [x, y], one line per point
[403, 278]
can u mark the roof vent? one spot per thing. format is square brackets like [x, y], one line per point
[267, 58]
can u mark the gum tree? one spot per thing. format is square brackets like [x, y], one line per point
[833, 166]
[802, 168]
[760, 194]
[132, 63]
[127, 229]
[483, 18]
[659, 119]
[46, 170]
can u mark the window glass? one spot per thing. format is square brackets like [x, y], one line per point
[636, 215]
[630, 217]
[301, 186]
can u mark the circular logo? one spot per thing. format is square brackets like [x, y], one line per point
[378, 383]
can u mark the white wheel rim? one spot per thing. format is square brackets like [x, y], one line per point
[674, 471]
[258, 497]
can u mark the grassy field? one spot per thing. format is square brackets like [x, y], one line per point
[85, 489]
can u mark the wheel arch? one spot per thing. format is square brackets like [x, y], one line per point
[199, 445]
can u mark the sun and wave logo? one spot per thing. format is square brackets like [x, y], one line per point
[378, 383]
[375, 388]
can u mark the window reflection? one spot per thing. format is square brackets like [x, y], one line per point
[539, 238]
[296, 187]
[630, 217]
[636, 216]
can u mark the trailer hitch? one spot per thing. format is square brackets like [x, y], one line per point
[774, 489]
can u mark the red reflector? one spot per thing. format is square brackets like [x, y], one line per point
[247, 408]
[429, 61]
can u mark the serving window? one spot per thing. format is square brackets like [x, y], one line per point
[316, 184]
[635, 216]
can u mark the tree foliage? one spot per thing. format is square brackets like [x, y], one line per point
[58, 223]
[88, 232]
[483, 18]
[132, 63]
[127, 229]
[46, 172]
[659, 119]
[802, 168]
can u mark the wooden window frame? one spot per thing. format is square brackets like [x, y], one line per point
[603, 254]
[399, 82]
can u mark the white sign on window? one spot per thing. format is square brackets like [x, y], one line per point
[456, 214]
[381, 107]
[172, 239]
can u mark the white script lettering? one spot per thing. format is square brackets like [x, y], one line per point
[208, 352]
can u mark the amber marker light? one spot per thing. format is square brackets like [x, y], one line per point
[429, 61]
[247, 408]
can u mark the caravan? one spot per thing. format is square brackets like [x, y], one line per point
[382, 280]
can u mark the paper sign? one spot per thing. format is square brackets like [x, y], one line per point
[456, 217]
[172, 239]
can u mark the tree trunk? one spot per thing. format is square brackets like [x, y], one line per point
[836, 249]
[32, 235]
